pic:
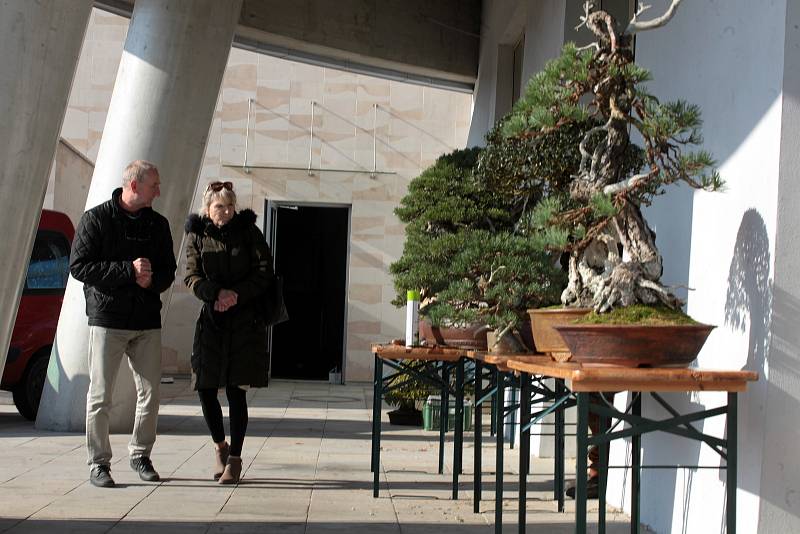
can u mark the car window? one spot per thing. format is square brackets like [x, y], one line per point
[49, 265]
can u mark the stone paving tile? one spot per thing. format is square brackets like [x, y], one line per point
[306, 469]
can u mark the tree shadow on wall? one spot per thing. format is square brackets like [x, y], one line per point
[748, 306]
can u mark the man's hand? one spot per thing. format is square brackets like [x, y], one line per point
[143, 272]
[225, 300]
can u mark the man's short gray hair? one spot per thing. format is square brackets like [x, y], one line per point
[137, 170]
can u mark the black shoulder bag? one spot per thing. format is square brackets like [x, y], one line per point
[274, 306]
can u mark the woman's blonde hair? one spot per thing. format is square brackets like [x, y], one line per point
[224, 194]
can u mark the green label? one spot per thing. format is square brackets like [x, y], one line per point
[412, 294]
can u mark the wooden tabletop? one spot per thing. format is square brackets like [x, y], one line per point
[493, 358]
[615, 378]
[389, 351]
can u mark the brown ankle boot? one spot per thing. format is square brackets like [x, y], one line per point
[221, 458]
[233, 470]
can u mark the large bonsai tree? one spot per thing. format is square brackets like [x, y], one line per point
[600, 91]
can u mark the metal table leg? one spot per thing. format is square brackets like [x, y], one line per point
[477, 439]
[498, 417]
[524, 446]
[458, 438]
[377, 399]
[444, 398]
[582, 431]
[512, 418]
[558, 483]
[636, 472]
[602, 473]
[732, 462]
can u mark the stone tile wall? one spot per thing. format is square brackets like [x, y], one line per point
[413, 126]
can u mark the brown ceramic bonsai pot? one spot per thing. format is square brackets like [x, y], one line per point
[406, 417]
[469, 337]
[634, 345]
[545, 337]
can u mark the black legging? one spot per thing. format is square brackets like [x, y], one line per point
[212, 411]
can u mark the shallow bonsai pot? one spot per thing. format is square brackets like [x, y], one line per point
[634, 345]
[545, 336]
[469, 337]
[405, 417]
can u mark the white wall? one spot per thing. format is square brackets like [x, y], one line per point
[503, 23]
[728, 59]
[738, 60]
[780, 467]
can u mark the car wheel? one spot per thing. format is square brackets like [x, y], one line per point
[29, 392]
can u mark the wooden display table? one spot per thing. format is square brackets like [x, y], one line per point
[534, 389]
[582, 381]
[439, 362]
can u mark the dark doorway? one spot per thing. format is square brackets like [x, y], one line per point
[310, 248]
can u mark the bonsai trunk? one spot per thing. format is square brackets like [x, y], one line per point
[599, 278]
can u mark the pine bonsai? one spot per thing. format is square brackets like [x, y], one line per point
[600, 92]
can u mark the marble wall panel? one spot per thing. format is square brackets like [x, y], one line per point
[414, 126]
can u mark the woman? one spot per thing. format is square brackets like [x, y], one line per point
[229, 268]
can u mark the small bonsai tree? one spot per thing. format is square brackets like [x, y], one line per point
[441, 203]
[464, 252]
[599, 93]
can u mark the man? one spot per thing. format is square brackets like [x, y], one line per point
[122, 252]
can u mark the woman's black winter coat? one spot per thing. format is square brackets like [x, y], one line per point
[230, 348]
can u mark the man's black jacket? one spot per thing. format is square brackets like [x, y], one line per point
[106, 242]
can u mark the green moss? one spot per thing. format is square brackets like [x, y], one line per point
[639, 315]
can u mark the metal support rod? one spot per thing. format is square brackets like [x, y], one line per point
[444, 400]
[602, 473]
[498, 418]
[730, 486]
[524, 447]
[374, 140]
[376, 424]
[311, 141]
[544, 413]
[580, 468]
[512, 416]
[458, 437]
[636, 472]
[477, 440]
[247, 132]
[558, 484]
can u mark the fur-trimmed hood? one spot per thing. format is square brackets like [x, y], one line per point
[197, 224]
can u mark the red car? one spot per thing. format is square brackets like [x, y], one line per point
[39, 307]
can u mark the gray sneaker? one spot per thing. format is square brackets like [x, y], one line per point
[100, 476]
[144, 467]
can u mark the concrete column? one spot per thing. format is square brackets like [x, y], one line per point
[161, 110]
[40, 44]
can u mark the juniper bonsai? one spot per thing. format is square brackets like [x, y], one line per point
[600, 216]
[464, 252]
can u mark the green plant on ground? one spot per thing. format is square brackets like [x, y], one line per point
[405, 389]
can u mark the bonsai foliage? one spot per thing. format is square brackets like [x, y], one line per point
[600, 93]
[441, 203]
[465, 253]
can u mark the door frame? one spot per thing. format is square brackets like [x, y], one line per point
[269, 233]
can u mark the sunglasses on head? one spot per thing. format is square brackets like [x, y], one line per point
[219, 186]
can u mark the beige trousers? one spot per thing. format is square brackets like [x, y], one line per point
[107, 346]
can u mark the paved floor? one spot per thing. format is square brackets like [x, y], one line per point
[306, 460]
